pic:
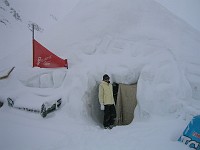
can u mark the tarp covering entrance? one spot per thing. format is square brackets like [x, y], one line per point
[126, 103]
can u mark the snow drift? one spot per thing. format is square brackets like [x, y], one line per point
[132, 41]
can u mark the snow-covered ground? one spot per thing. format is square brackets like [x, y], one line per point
[131, 40]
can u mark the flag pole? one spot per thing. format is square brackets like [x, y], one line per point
[33, 42]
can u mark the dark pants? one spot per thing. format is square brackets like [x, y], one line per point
[109, 115]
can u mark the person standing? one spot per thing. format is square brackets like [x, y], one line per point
[107, 102]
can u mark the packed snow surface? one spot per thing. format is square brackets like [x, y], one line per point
[134, 41]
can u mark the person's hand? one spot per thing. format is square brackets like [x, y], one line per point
[102, 106]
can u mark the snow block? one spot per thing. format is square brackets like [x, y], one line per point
[191, 135]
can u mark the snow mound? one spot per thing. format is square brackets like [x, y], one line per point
[31, 100]
[134, 41]
[43, 79]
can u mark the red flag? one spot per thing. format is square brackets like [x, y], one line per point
[43, 58]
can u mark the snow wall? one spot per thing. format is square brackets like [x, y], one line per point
[149, 46]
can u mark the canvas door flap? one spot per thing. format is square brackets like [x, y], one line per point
[126, 103]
